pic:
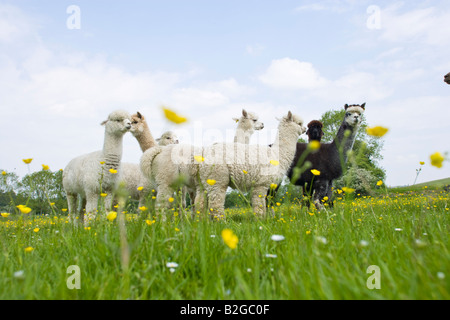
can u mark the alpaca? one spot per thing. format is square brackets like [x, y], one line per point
[314, 131]
[165, 165]
[329, 159]
[141, 131]
[167, 138]
[131, 175]
[247, 167]
[247, 124]
[86, 176]
[447, 78]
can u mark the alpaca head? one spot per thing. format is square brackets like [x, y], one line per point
[138, 124]
[249, 121]
[353, 114]
[118, 122]
[447, 78]
[292, 123]
[167, 138]
[314, 131]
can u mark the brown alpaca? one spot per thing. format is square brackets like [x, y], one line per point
[141, 131]
[447, 78]
[315, 131]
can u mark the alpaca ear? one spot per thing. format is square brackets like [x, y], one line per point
[140, 115]
[363, 106]
[346, 106]
[244, 113]
[290, 116]
[104, 122]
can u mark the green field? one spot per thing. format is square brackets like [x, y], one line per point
[392, 246]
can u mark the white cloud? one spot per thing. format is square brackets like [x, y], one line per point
[287, 73]
[424, 25]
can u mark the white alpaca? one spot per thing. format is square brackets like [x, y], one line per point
[247, 124]
[165, 165]
[86, 176]
[135, 183]
[167, 138]
[252, 168]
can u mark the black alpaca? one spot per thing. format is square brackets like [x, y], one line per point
[314, 131]
[329, 159]
[447, 78]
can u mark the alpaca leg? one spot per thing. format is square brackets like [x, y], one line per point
[91, 207]
[72, 206]
[258, 201]
[109, 202]
[162, 201]
[216, 201]
[199, 202]
[320, 191]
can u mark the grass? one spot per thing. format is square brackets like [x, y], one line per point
[324, 255]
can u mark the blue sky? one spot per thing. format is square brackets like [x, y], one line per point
[210, 59]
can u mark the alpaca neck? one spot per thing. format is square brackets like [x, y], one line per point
[242, 135]
[344, 142]
[286, 146]
[145, 139]
[112, 150]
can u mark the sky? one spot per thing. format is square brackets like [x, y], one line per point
[65, 65]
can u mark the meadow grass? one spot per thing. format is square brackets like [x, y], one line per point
[323, 255]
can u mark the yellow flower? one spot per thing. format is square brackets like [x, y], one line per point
[45, 167]
[36, 230]
[278, 204]
[24, 209]
[211, 182]
[230, 239]
[422, 163]
[29, 249]
[140, 188]
[149, 222]
[308, 232]
[143, 208]
[379, 183]
[113, 171]
[245, 172]
[64, 210]
[111, 216]
[314, 145]
[27, 161]
[103, 194]
[102, 162]
[3, 173]
[315, 172]
[5, 214]
[437, 159]
[348, 190]
[199, 158]
[171, 199]
[177, 230]
[273, 186]
[274, 162]
[52, 204]
[377, 131]
[173, 116]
